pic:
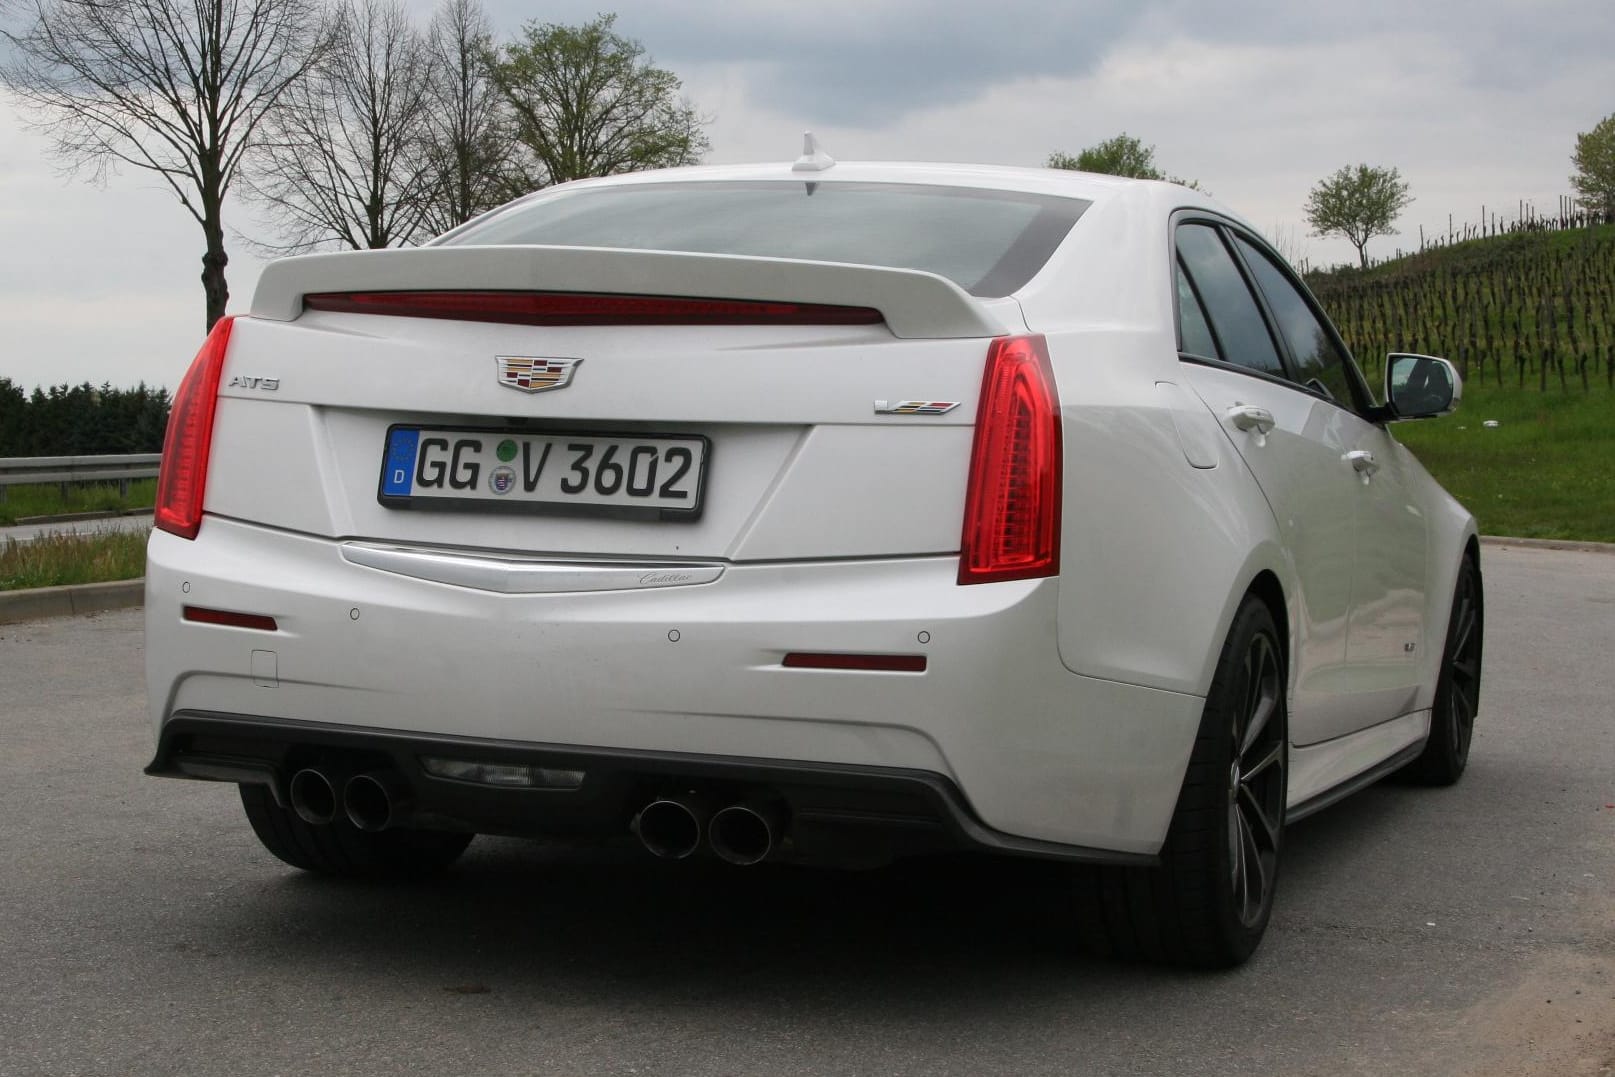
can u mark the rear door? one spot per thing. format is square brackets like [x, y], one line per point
[1292, 403]
[1293, 443]
[1387, 614]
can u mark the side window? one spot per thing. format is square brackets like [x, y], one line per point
[1319, 362]
[1194, 332]
[1229, 305]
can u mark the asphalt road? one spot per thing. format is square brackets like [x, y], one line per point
[1461, 931]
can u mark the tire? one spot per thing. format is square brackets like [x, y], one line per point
[1457, 700]
[342, 849]
[1208, 903]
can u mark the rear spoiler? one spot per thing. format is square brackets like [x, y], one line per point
[914, 304]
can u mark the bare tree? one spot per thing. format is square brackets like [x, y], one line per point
[1286, 239]
[175, 87]
[468, 143]
[588, 102]
[341, 161]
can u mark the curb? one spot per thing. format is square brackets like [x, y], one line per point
[1573, 545]
[73, 600]
[65, 518]
[79, 517]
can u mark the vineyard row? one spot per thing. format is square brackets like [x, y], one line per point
[1514, 309]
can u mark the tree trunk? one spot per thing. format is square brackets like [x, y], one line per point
[213, 263]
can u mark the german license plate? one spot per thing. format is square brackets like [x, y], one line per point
[583, 474]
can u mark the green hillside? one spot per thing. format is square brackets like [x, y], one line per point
[1529, 319]
[1529, 309]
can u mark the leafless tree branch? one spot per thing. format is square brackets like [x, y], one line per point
[175, 87]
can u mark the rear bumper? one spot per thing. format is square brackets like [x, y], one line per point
[836, 813]
[1030, 751]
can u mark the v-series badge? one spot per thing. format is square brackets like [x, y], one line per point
[268, 385]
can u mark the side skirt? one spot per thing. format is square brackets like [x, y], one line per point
[1321, 774]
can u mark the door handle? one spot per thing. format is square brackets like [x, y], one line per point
[1363, 461]
[1251, 417]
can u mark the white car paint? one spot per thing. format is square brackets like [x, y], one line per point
[1063, 708]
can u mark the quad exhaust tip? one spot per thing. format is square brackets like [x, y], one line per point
[374, 801]
[744, 834]
[313, 797]
[371, 801]
[671, 827]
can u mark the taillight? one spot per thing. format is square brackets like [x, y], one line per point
[182, 478]
[576, 308]
[1012, 502]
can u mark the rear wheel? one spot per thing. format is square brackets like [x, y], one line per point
[342, 849]
[1209, 901]
[1452, 715]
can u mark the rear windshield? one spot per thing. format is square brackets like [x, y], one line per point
[987, 242]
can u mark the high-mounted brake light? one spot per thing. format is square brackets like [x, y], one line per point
[569, 308]
[182, 477]
[1012, 500]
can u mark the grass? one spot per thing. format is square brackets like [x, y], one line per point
[58, 559]
[46, 499]
[1547, 470]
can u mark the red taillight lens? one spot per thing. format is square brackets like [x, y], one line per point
[1012, 503]
[567, 308]
[182, 478]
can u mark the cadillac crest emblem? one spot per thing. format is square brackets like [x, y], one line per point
[531, 374]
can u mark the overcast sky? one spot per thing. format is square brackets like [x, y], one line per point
[1478, 103]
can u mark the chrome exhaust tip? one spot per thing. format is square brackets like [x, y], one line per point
[313, 797]
[374, 801]
[670, 827]
[744, 834]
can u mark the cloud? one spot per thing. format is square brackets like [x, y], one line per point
[1258, 123]
[1477, 105]
[861, 64]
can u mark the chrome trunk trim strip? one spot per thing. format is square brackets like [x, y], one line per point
[510, 575]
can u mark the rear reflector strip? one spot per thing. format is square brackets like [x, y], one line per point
[891, 663]
[569, 308]
[201, 615]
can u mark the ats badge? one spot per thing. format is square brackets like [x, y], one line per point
[530, 374]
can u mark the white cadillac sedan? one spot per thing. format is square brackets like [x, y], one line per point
[817, 513]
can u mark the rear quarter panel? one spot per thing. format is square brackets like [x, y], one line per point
[1156, 552]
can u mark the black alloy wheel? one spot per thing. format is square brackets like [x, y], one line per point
[1256, 781]
[1457, 698]
[1208, 903]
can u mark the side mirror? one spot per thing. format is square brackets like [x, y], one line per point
[1421, 387]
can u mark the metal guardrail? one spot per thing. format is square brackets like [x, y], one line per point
[24, 470]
